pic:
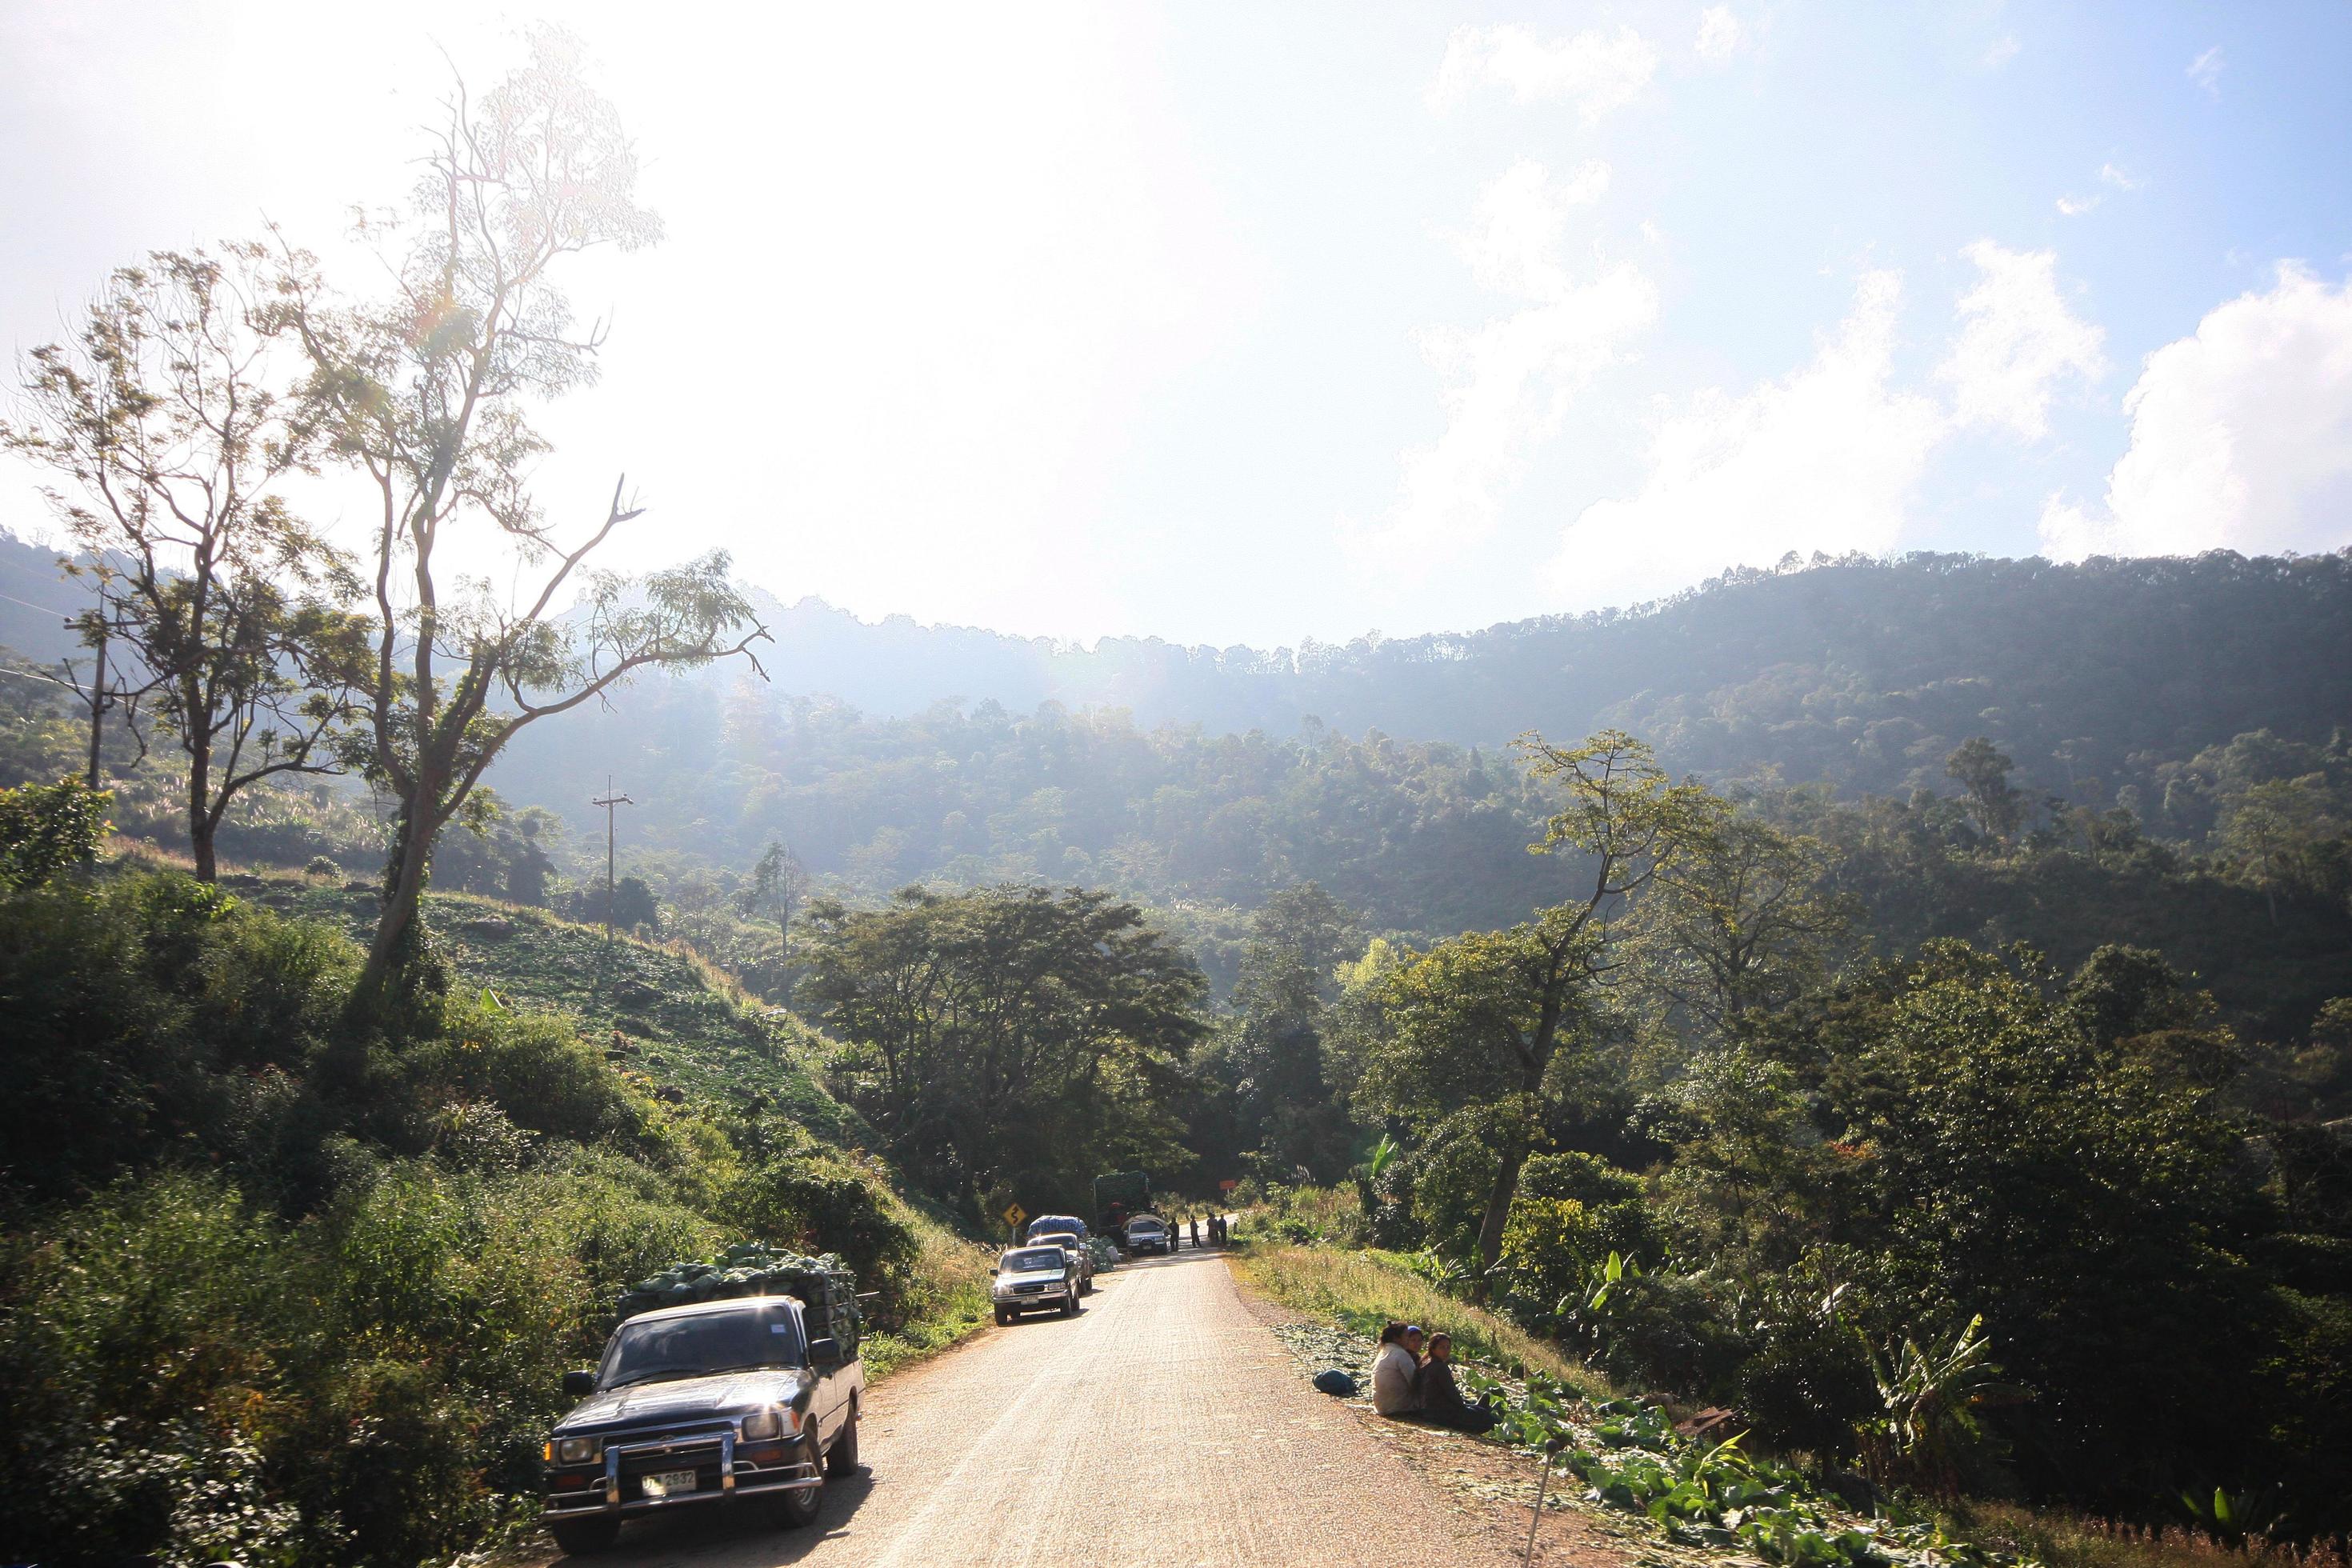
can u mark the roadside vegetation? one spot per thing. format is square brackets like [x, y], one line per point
[258, 1264]
[1977, 1132]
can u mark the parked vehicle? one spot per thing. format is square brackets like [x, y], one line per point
[1036, 1279]
[1148, 1233]
[1080, 1254]
[1119, 1195]
[721, 1403]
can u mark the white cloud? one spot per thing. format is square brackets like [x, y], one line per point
[1504, 386]
[2018, 340]
[1718, 33]
[1598, 72]
[2111, 176]
[2206, 70]
[1825, 459]
[2003, 50]
[2242, 435]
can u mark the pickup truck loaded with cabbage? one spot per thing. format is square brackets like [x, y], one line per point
[732, 1383]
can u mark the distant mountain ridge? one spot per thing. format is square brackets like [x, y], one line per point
[1851, 671]
[1833, 669]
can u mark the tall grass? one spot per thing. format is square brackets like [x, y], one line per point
[1364, 1291]
[948, 1299]
[2059, 1538]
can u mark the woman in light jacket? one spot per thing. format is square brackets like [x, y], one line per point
[1393, 1369]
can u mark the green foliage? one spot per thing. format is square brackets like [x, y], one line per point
[1710, 1494]
[1928, 1430]
[1014, 1036]
[147, 1013]
[812, 1197]
[45, 828]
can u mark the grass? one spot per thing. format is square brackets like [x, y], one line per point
[1363, 1291]
[950, 1300]
[2061, 1539]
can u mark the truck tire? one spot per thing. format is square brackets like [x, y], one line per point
[798, 1508]
[841, 1460]
[584, 1537]
[1070, 1305]
[1004, 1317]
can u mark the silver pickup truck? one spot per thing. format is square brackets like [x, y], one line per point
[726, 1403]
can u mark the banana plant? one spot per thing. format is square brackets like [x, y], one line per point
[2229, 1517]
[1928, 1400]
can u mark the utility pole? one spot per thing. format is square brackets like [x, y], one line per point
[97, 706]
[608, 800]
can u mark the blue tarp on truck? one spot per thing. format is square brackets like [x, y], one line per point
[1052, 1222]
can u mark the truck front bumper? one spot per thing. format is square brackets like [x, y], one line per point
[616, 1489]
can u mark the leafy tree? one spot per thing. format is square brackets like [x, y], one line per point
[165, 422]
[1480, 1019]
[1269, 1059]
[1743, 923]
[2279, 834]
[1982, 770]
[778, 884]
[529, 870]
[1009, 1037]
[423, 394]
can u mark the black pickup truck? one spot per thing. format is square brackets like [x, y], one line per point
[726, 1404]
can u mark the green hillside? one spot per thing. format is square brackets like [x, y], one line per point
[669, 1021]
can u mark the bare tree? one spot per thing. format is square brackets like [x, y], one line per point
[424, 393]
[214, 603]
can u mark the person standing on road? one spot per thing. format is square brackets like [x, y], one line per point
[1196, 1233]
[1393, 1369]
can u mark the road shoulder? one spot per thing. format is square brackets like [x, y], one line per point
[1490, 1488]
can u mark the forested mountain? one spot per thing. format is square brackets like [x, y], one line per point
[1861, 673]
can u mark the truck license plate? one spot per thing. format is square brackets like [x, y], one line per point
[667, 1483]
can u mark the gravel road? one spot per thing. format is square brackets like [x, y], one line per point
[1161, 1425]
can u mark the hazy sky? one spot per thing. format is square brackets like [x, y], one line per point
[1249, 323]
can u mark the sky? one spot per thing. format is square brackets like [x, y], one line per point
[1247, 324]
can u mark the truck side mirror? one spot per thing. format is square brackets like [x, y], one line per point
[824, 1350]
[579, 1384]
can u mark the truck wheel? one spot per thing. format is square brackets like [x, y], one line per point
[1004, 1317]
[800, 1507]
[584, 1537]
[841, 1460]
[1070, 1306]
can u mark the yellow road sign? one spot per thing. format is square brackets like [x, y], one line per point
[1014, 1213]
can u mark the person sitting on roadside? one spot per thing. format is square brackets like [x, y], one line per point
[1437, 1398]
[1394, 1369]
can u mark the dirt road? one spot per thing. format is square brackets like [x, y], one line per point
[1162, 1426]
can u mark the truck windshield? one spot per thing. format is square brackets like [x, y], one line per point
[1034, 1260]
[658, 1349]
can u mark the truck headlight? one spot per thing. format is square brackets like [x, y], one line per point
[578, 1450]
[763, 1424]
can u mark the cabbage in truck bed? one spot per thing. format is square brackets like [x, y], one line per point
[825, 1286]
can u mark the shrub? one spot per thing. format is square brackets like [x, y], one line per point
[137, 1010]
[44, 828]
[819, 1200]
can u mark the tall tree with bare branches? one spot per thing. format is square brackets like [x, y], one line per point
[425, 394]
[218, 607]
